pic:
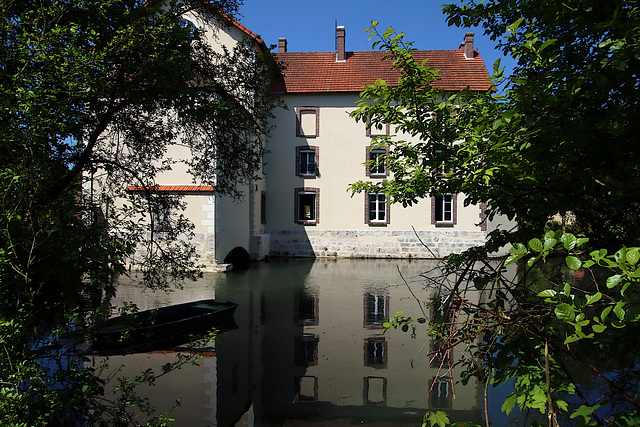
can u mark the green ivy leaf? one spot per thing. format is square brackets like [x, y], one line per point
[598, 328]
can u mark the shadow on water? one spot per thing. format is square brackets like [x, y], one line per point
[309, 349]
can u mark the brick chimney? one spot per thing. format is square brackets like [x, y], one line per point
[282, 45]
[467, 46]
[340, 35]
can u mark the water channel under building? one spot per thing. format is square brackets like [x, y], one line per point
[309, 349]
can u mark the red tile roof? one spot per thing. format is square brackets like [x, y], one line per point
[190, 189]
[314, 72]
[256, 38]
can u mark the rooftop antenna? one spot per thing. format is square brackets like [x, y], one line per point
[335, 35]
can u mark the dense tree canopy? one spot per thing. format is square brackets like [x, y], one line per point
[559, 135]
[91, 95]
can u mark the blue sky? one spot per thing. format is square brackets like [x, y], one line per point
[309, 25]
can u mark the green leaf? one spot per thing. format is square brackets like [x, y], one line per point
[633, 256]
[565, 312]
[594, 298]
[547, 293]
[612, 281]
[619, 310]
[569, 241]
[585, 412]
[598, 328]
[438, 418]
[536, 245]
[549, 243]
[509, 403]
[572, 338]
[573, 263]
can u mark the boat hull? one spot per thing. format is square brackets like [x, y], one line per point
[176, 324]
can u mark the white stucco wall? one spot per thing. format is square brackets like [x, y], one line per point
[341, 229]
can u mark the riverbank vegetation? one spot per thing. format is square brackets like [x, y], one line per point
[91, 95]
[557, 137]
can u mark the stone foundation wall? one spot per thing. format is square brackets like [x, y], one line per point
[372, 243]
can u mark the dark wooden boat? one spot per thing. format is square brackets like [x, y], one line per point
[173, 323]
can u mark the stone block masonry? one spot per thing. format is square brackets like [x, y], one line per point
[372, 243]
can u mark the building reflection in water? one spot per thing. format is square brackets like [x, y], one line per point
[310, 348]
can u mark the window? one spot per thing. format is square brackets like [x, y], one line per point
[307, 122]
[306, 205]
[443, 210]
[189, 26]
[263, 207]
[306, 388]
[440, 394]
[305, 308]
[377, 210]
[306, 350]
[376, 309]
[376, 130]
[375, 164]
[375, 391]
[307, 161]
[375, 353]
[161, 216]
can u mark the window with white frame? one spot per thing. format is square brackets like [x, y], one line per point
[441, 394]
[443, 210]
[375, 352]
[307, 205]
[376, 166]
[307, 161]
[377, 209]
[376, 309]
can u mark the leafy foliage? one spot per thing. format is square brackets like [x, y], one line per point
[557, 136]
[92, 94]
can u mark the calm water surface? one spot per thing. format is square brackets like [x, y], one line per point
[309, 349]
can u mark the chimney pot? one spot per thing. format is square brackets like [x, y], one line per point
[282, 45]
[468, 45]
[340, 37]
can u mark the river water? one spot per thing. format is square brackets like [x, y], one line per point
[309, 349]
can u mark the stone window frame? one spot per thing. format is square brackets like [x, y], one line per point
[299, 111]
[307, 149]
[306, 190]
[454, 211]
[367, 162]
[367, 212]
